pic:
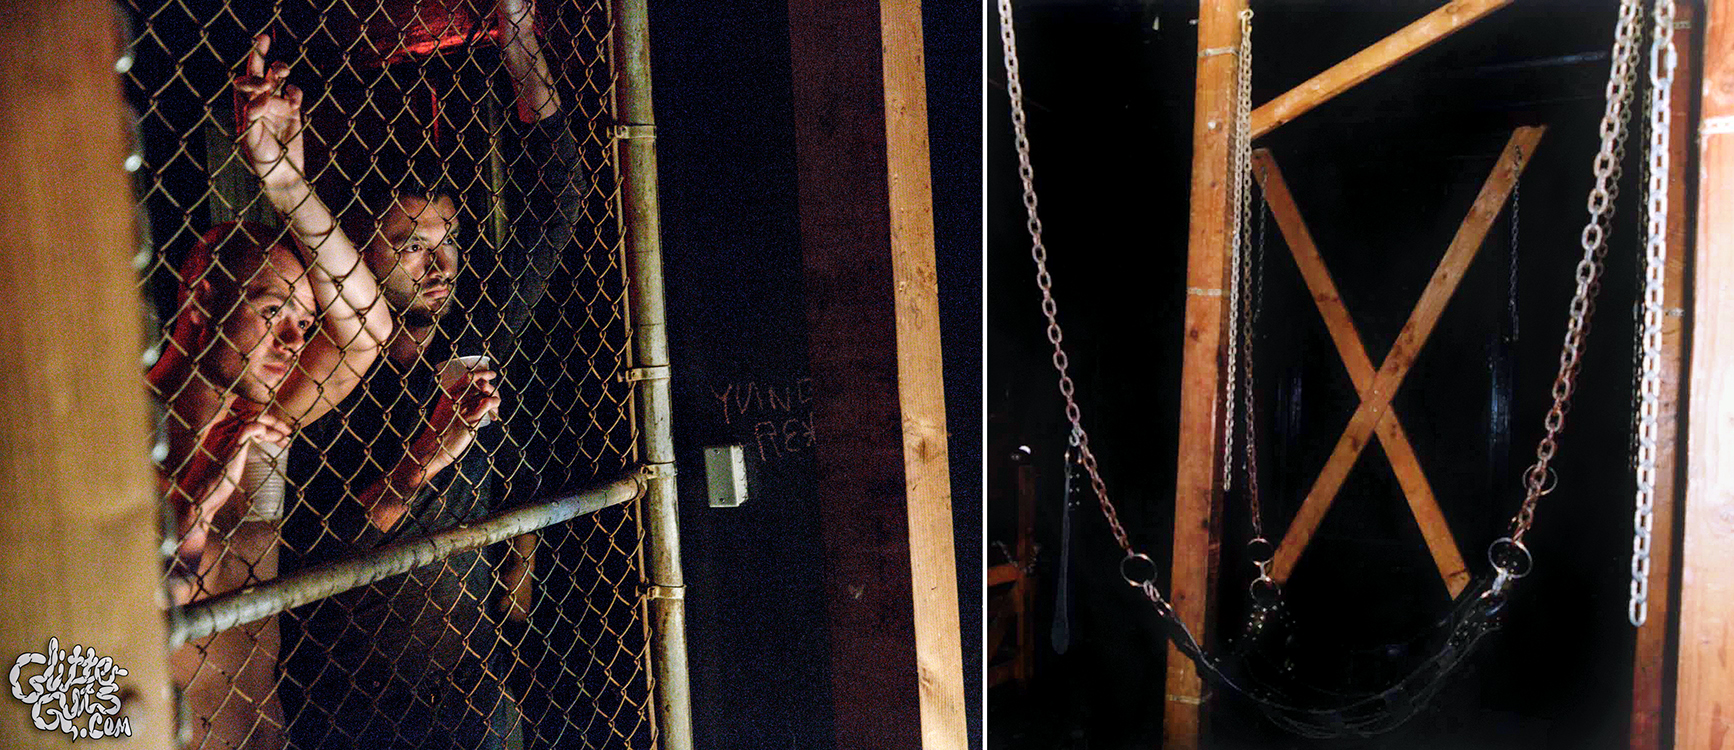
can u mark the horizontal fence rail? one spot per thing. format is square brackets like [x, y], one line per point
[279, 595]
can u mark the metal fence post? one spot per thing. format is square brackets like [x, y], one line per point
[635, 134]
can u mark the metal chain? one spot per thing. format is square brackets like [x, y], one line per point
[1014, 89]
[1511, 290]
[1044, 282]
[1638, 315]
[1250, 275]
[1594, 242]
[1662, 63]
[1240, 160]
[1259, 550]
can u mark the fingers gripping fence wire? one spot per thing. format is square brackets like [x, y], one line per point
[384, 268]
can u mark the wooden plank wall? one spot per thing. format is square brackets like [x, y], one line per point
[866, 218]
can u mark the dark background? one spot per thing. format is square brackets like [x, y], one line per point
[1383, 175]
[737, 331]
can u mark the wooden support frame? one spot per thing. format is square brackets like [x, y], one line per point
[1197, 503]
[1652, 665]
[1417, 36]
[1376, 389]
[1704, 703]
[1197, 495]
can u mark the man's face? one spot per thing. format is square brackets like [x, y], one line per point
[415, 256]
[265, 330]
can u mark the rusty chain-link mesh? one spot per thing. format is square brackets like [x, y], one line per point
[291, 434]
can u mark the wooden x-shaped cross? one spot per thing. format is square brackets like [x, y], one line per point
[1373, 416]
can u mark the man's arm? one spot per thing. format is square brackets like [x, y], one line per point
[537, 97]
[450, 432]
[545, 171]
[519, 563]
[553, 190]
[355, 322]
[206, 480]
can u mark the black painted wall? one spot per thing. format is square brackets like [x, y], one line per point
[755, 586]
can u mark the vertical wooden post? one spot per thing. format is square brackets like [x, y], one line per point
[866, 213]
[1652, 665]
[79, 521]
[1704, 703]
[1197, 498]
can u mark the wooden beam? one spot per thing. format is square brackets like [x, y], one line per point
[1704, 708]
[1431, 520]
[79, 509]
[1652, 665]
[1376, 407]
[1197, 496]
[1312, 269]
[1370, 62]
[920, 379]
[866, 217]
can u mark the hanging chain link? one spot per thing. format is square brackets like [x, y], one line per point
[1594, 241]
[1252, 277]
[1259, 550]
[1662, 62]
[1044, 281]
[1240, 159]
[1637, 379]
[1511, 289]
[1014, 89]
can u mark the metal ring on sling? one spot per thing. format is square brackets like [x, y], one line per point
[1263, 591]
[1127, 573]
[1510, 558]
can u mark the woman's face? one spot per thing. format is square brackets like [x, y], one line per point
[262, 333]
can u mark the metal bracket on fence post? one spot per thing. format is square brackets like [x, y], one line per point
[628, 132]
[633, 375]
[653, 591]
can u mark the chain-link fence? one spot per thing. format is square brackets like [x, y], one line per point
[379, 248]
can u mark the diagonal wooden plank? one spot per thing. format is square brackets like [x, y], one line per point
[1376, 404]
[1312, 269]
[1369, 62]
[1429, 517]
[1425, 506]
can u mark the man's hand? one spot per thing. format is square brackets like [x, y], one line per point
[456, 418]
[451, 430]
[270, 119]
